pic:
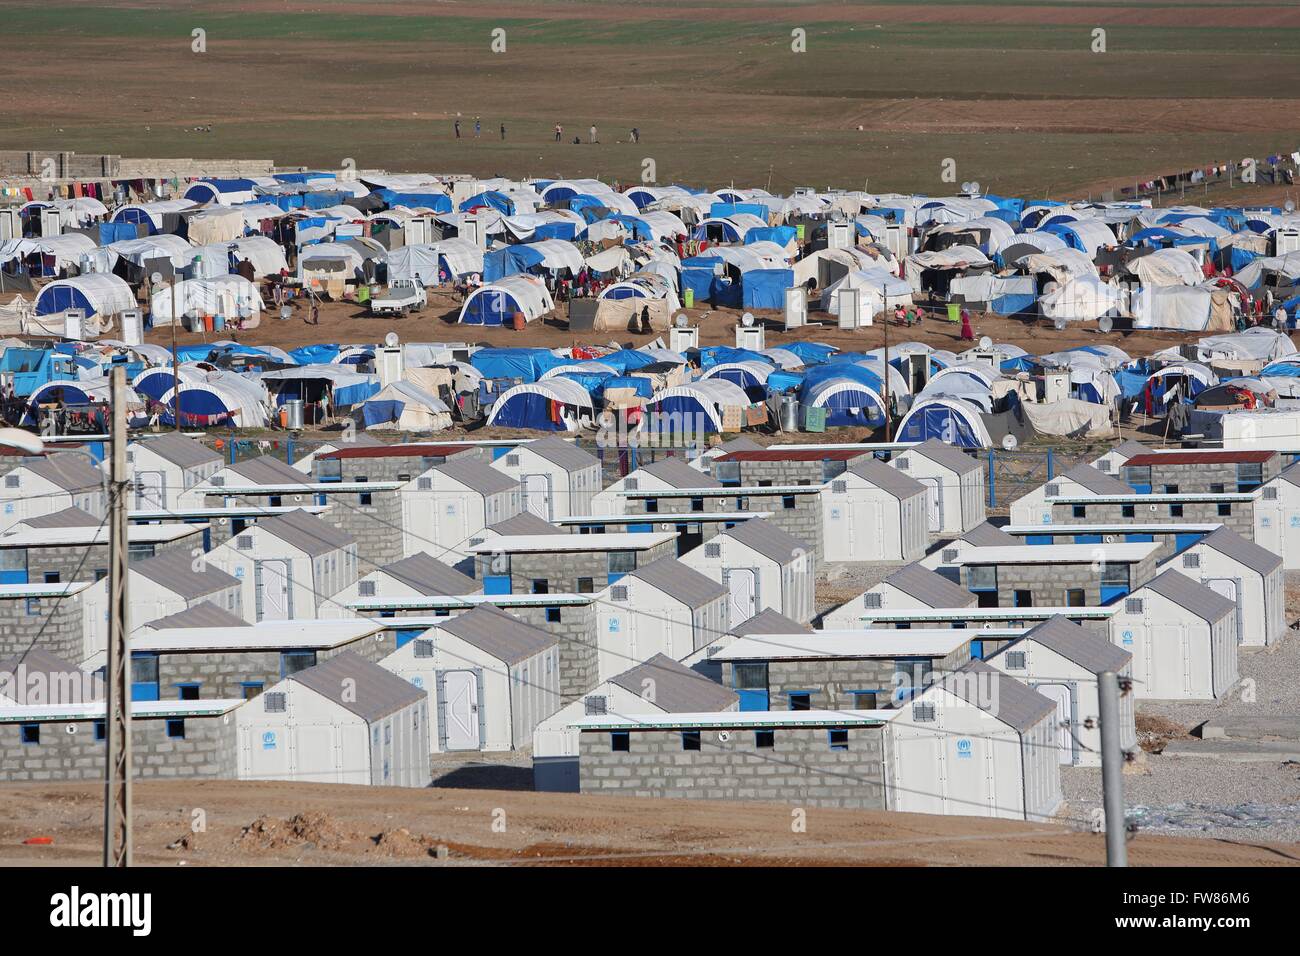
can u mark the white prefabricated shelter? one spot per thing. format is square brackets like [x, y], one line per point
[489, 678]
[953, 481]
[42, 486]
[250, 472]
[1061, 660]
[1114, 460]
[1183, 638]
[664, 608]
[1249, 575]
[1277, 516]
[556, 477]
[943, 559]
[761, 566]
[289, 566]
[912, 587]
[343, 721]
[159, 587]
[666, 474]
[1082, 480]
[164, 466]
[450, 503]
[977, 743]
[417, 576]
[873, 512]
[659, 686]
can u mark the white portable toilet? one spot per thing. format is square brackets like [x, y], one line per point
[839, 235]
[849, 309]
[750, 336]
[796, 308]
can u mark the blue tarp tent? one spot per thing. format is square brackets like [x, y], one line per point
[438, 202]
[810, 353]
[315, 354]
[781, 235]
[643, 387]
[526, 364]
[491, 198]
[724, 210]
[718, 354]
[765, 288]
[627, 359]
[508, 261]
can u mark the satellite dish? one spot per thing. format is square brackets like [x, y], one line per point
[680, 320]
[391, 340]
[1060, 323]
[965, 187]
[986, 343]
[1105, 323]
[1009, 442]
[975, 188]
[747, 319]
[156, 278]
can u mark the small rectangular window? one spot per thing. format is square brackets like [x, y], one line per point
[1191, 560]
[788, 502]
[713, 550]
[1175, 511]
[423, 647]
[274, 702]
[424, 484]
[865, 699]
[652, 506]
[1133, 606]
[176, 729]
[1126, 511]
[697, 504]
[1075, 597]
[1015, 660]
[1079, 511]
[903, 464]
[631, 484]
[838, 738]
[1053, 491]
[1270, 493]
[949, 555]
[553, 615]
[923, 713]
[620, 741]
[690, 740]
[366, 588]
[595, 706]
[101, 730]
[872, 600]
[512, 461]
[982, 577]
[622, 562]
[801, 701]
[244, 542]
[1225, 509]
[764, 739]
[839, 487]
[588, 586]
[11, 481]
[618, 592]
[30, 733]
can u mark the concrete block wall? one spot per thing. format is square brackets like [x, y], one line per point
[579, 657]
[1241, 516]
[1048, 584]
[1200, 478]
[221, 674]
[59, 622]
[376, 526]
[64, 561]
[209, 749]
[386, 467]
[832, 681]
[800, 768]
[563, 569]
[795, 472]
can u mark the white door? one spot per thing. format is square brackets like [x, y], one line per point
[1060, 693]
[742, 590]
[537, 495]
[1231, 589]
[273, 590]
[1167, 675]
[150, 490]
[460, 710]
[934, 503]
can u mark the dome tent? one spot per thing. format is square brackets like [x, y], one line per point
[98, 294]
[556, 404]
[701, 403]
[495, 303]
[950, 420]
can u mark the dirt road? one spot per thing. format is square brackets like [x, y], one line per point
[249, 824]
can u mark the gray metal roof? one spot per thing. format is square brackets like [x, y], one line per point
[566, 454]
[768, 621]
[1291, 473]
[372, 693]
[1095, 480]
[67, 518]
[429, 576]
[674, 578]
[502, 635]
[1205, 602]
[1128, 448]
[887, 479]
[676, 473]
[203, 614]
[954, 459]
[1086, 648]
[476, 476]
[306, 532]
[37, 660]
[267, 470]
[769, 540]
[525, 523]
[69, 470]
[931, 589]
[1015, 704]
[743, 443]
[987, 535]
[177, 574]
[1254, 556]
[179, 450]
[677, 688]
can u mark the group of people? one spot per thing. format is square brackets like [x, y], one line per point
[584, 285]
[634, 134]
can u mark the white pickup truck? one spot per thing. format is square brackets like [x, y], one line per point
[400, 298]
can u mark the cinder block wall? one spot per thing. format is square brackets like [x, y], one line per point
[800, 768]
[579, 656]
[64, 560]
[563, 569]
[1241, 519]
[63, 635]
[1048, 584]
[208, 750]
[830, 682]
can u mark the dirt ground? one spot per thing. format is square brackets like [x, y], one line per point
[253, 824]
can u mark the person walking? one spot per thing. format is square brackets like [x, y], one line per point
[503, 132]
[645, 320]
[559, 132]
[457, 127]
[593, 134]
[967, 330]
[478, 127]
[636, 135]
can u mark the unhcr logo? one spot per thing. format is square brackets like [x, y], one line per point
[74, 909]
[34, 687]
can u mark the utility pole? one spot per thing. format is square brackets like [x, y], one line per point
[1112, 769]
[889, 427]
[117, 723]
[176, 366]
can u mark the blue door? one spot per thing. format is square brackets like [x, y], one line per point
[144, 676]
[1139, 538]
[640, 528]
[753, 700]
[1109, 594]
[1141, 489]
[1038, 539]
[408, 634]
[207, 538]
[1087, 539]
[1185, 540]
[496, 584]
[977, 650]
